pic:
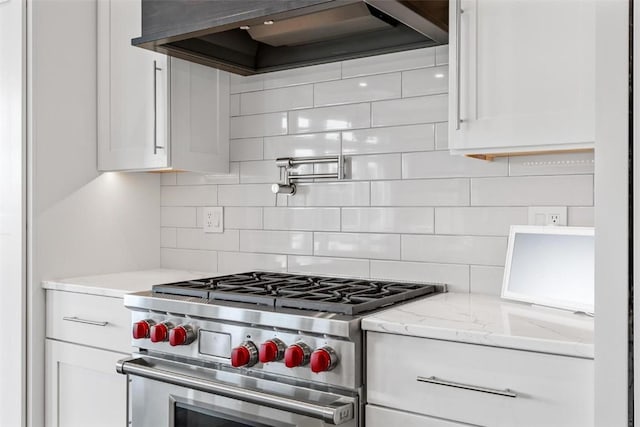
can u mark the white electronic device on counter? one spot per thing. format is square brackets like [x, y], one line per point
[551, 266]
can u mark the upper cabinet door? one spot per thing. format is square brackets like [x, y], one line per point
[522, 75]
[133, 93]
[199, 118]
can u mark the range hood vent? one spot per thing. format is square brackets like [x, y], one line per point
[258, 36]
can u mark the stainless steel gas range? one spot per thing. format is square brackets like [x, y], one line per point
[254, 349]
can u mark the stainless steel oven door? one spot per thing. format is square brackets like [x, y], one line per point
[174, 394]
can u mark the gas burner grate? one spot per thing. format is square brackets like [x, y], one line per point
[282, 290]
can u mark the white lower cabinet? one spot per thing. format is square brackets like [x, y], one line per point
[85, 336]
[83, 388]
[475, 384]
[377, 416]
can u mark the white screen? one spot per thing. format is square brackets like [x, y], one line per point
[552, 269]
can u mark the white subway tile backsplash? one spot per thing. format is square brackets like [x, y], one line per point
[297, 76]
[168, 237]
[357, 245]
[283, 242]
[373, 167]
[425, 81]
[241, 262]
[422, 109]
[329, 266]
[306, 145]
[552, 164]
[361, 89]
[330, 118]
[486, 280]
[388, 220]
[233, 177]
[190, 260]
[269, 101]
[580, 216]
[177, 216]
[398, 61]
[456, 276]
[455, 249]
[245, 149]
[305, 219]
[239, 84]
[189, 195]
[234, 105]
[196, 238]
[441, 164]
[571, 190]
[407, 210]
[243, 218]
[442, 55]
[433, 192]
[388, 139]
[168, 178]
[246, 195]
[258, 125]
[331, 194]
[259, 172]
[477, 221]
[442, 136]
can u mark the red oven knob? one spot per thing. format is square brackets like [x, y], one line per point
[297, 355]
[272, 350]
[142, 329]
[323, 359]
[245, 355]
[160, 332]
[181, 335]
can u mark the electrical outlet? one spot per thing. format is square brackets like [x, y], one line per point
[548, 215]
[213, 220]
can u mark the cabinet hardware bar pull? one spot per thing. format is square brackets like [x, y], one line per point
[88, 322]
[156, 147]
[458, 43]
[434, 380]
[334, 413]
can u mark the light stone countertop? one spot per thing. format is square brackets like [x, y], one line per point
[119, 284]
[489, 320]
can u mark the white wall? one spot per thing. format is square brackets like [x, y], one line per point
[411, 211]
[612, 219]
[82, 222]
[12, 212]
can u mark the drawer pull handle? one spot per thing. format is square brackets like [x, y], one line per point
[438, 381]
[88, 322]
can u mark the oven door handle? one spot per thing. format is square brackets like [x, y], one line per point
[335, 413]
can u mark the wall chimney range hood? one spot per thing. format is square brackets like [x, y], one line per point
[258, 36]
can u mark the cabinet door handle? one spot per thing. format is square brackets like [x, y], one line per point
[156, 147]
[88, 322]
[458, 44]
[438, 381]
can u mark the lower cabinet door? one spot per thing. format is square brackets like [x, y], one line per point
[377, 416]
[83, 388]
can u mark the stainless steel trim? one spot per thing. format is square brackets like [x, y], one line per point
[315, 176]
[336, 413]
[437, 381]
[88, 322]
[459, 12]
[156, 147]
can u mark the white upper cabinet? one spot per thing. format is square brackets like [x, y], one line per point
[155, 112]
[522, 75]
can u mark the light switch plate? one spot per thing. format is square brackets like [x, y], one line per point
[213, 219]
[548, 215]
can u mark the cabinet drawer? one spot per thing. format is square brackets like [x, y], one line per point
[92, 320]
[384, 417]
[474, 384]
